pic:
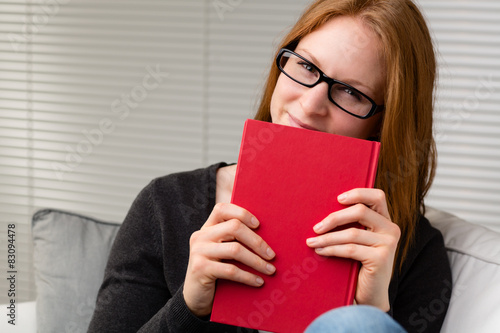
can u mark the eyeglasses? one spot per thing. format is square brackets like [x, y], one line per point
[346, 97]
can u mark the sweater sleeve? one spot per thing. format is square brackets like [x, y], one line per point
[134, 295]
[425, 285]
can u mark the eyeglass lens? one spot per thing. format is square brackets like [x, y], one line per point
[305, 73]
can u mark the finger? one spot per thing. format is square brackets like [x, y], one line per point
[235, 230]
[370, 257]
[351, 251]
[371, 197]
[232, 272]
[346, 236]
[358, 213]
[236, 251]
[227, 211]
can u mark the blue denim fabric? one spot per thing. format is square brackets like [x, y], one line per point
[357, 318]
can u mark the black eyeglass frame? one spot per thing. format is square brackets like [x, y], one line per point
[324, 78]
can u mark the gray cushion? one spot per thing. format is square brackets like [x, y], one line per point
[70, 254]
[474, 253]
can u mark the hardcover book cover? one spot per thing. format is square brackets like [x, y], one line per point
[289, 178]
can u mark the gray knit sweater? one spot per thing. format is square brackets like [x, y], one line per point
[142, 287]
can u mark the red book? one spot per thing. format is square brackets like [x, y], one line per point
[289, 178]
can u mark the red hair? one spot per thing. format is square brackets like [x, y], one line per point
[408, 154]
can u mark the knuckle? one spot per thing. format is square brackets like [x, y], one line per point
[396, 230]
[194, 238]
[241, 214]
[233, 226]
[353, 233]
[230, 271]
[219, 207]
[379, 195]
[350, 249]
[393, 243]
[234, 249]
[197, 264]
[361, 209]
[261, 263]
[258, 243]
[257, 263]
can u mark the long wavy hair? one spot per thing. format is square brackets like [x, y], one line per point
[408, 155]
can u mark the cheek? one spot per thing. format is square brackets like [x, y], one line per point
[284, 93]
[344, 124]
[277, 98]
[274, 104]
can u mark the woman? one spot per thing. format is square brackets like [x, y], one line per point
[170, 251]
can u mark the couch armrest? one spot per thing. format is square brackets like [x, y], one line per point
[474, 253]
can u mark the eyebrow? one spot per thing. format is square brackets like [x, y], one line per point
[352, 82]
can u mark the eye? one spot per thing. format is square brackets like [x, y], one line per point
[353, 93]
[308, 67]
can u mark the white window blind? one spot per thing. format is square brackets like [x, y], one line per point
[99, 97]
[241, 44]
[467, 36]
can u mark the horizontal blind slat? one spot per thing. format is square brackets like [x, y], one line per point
[467, 118]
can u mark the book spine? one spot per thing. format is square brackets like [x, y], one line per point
[353, 281]
[370, 182]
[240, 157]
[373, 163]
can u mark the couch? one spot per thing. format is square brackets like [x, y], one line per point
[70, 252]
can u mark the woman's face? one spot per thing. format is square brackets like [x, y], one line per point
[345, 50]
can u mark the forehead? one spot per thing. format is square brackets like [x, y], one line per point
[347, 49]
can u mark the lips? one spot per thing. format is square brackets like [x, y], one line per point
[294, 122]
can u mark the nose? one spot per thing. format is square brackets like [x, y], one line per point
[314, 101]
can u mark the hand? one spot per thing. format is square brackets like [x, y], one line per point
[223, 235]
[374, 247]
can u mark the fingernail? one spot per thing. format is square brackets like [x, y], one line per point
[259, 281]
[318, 227]
[319, 249]
[270, 268]
[311, 241]
[254, 221]
[342, 197]
[270, 253]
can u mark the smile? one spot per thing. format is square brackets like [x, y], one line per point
[294, 122]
